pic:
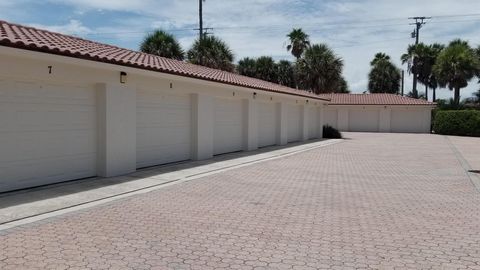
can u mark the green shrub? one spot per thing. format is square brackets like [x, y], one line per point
[331, 133]
[462, 123]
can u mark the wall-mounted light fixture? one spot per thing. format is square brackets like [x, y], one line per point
[254, 95]
[306, 101]
[123, 77]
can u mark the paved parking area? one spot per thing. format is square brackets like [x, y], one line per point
[375, 201]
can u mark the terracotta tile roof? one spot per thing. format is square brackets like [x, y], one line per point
[374, 99]
[29, 38]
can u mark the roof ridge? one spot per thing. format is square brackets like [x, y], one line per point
[77, 38]
[59, 44]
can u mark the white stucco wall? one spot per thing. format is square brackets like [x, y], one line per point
[120, 110]
[379, 118]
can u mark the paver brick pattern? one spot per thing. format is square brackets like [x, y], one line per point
[375, 201]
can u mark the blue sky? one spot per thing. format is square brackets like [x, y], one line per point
[355, 29]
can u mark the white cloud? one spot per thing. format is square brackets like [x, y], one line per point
[73, 27]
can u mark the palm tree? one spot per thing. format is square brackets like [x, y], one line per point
[299, 42]
[343, 86]
[266, 69]
[162, 44]
[247, 66]
[212, 52]
[427, 76]
[320, 69]
[411, 58]
[425, 56]
[285, 73]
[456, 65]
[384, 76]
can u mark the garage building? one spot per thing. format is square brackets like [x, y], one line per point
[378, 113]
[72, 108]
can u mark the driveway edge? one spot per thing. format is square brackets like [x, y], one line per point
[474, 178]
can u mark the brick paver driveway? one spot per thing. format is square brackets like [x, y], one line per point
[379, 201]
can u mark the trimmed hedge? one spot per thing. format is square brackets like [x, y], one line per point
[462, 123]
[331, 133]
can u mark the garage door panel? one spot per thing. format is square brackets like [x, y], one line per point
[228, 126]
[407, 121]
[294, 117]
[267, 124]
[314, 124]
[47, 133]
[163, 127]
[51, 170]
[363, 120]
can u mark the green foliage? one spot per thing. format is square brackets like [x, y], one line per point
[420, 59]
[320, 69]
[456, 65]
[331, 133]
[476, 96]
[266, 69]
[247, 66]
[449, 104]
[462, 123]
[343, 86]
[162, 44]
[212, 52]
[299, 42]
[384, 76]
[285, 73]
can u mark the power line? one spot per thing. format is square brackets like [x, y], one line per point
[270, 28]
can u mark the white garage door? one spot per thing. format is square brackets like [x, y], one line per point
[228, 126]
[267, 124]
[163, 127]
[363, 120]
[407, 121]
[294, 123]
[47, 133]
[330, 117]
[314, 125]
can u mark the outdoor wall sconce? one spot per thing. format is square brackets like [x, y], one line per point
[123, 77]
[306, 101]
[233, 93]
[254, 95]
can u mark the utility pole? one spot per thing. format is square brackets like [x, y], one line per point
[200, 16]
[403, 82]
[419, 21]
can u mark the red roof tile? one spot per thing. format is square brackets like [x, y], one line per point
[29, 38]
[374, 99]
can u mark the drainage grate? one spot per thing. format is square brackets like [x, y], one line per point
[474, 171]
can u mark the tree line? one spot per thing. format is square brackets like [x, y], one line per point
[317, 68]
[436, 66]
